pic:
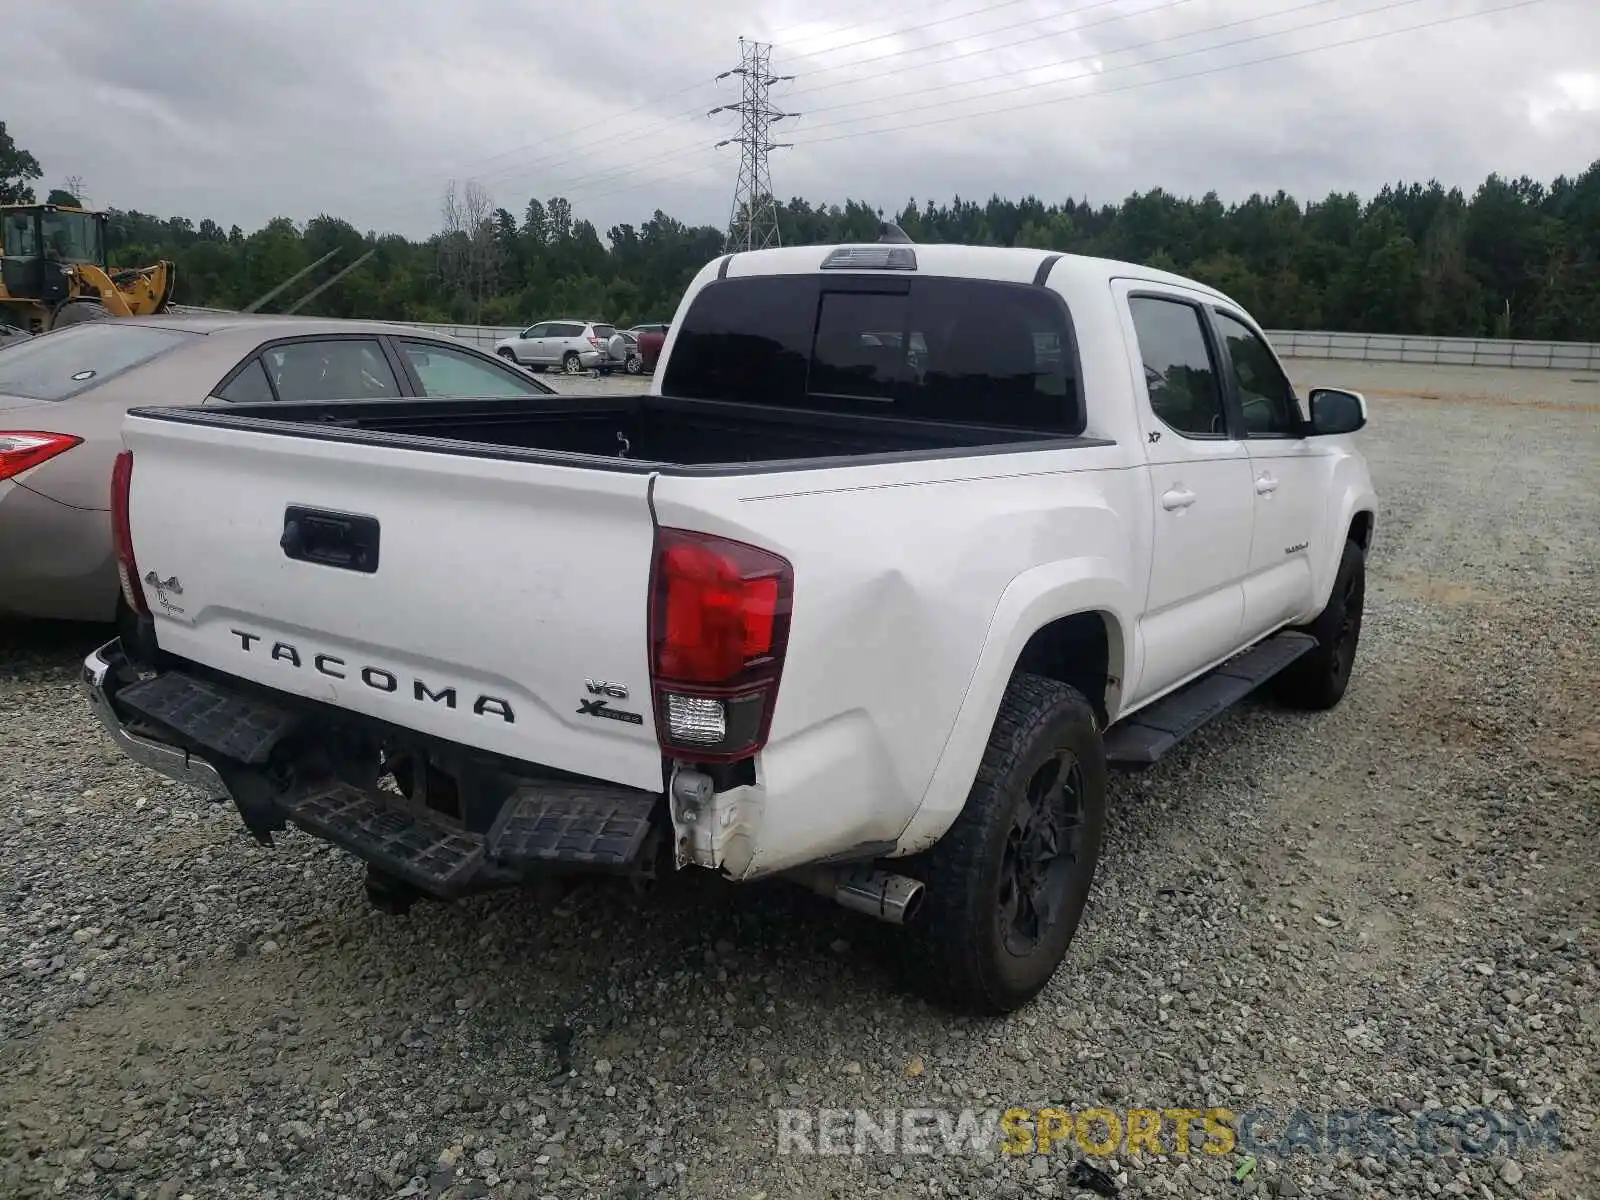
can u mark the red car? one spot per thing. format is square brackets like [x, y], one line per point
[650, 339]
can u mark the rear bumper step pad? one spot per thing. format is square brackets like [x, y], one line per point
[541, 825]
[420, 848]
[571, 823]
[233, 725]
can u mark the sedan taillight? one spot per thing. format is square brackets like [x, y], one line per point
[22, 451]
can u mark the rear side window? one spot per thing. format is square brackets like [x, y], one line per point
[453, 375]
[927, 348]
[249, 386]
[60, 364]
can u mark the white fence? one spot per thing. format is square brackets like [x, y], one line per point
[1303, 343]
[482, 336]
[1457, 352]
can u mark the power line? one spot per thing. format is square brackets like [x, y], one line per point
[981, 10]
[1148, 62]
[672, 152]
[585, 181]
[437, 176]
[697, 112]
[822, 18]
[1287, 54]
[660, 125]
[753, 220]
[947, 42]
[542, 164]
[812, 110]
[675, 177]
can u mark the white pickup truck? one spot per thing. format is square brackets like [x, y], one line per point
[905, 547]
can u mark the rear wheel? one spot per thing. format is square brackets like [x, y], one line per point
[1007, 884]
[570, 363]
[76, 312]
[1317, 679]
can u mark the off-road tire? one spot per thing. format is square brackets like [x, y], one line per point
[961, 951]
[1317, 679]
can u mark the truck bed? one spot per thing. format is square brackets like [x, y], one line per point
[622, 432]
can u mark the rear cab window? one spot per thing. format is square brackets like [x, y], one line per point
[60, 364]
[935, 348]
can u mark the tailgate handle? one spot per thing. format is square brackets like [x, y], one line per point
[342, 540]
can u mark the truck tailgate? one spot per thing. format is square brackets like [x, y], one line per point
[503, 590]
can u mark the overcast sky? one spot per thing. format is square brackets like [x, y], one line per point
[244, 109]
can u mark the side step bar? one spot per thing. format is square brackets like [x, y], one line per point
[1144, 737]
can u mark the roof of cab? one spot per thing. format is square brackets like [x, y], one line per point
[1010, 264]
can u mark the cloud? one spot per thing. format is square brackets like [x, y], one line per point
[365, 108]
[1571, 98]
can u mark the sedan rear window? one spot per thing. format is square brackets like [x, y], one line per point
[60, 364]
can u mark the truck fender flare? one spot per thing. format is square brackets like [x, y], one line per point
[1031, 601]
[1352, 512]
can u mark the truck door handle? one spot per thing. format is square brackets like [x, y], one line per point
[1266, 485]
[1178, 497]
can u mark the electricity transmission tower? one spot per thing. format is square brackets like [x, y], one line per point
[753, 223]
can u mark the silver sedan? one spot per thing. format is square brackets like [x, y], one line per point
[63, 396]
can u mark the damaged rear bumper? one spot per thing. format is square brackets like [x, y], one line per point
[102, 670]
[222, 742]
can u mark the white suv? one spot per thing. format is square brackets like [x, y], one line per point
[572, 345]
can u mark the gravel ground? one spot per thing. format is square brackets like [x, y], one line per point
[1391, 905]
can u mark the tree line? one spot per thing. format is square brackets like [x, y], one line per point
[1517, 258]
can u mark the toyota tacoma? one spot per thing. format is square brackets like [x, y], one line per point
[905, 547]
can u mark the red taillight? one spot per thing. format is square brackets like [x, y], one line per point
[22, 451]
[122, 533]
[719, 626]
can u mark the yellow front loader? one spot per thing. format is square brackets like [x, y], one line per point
[54, 271]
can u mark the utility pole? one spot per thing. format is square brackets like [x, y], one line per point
[753, 223]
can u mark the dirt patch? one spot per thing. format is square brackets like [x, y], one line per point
[1443, 591]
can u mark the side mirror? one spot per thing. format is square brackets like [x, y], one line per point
[1335, 410]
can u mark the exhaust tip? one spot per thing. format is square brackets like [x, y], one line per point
[881, 894]
[914, 904]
